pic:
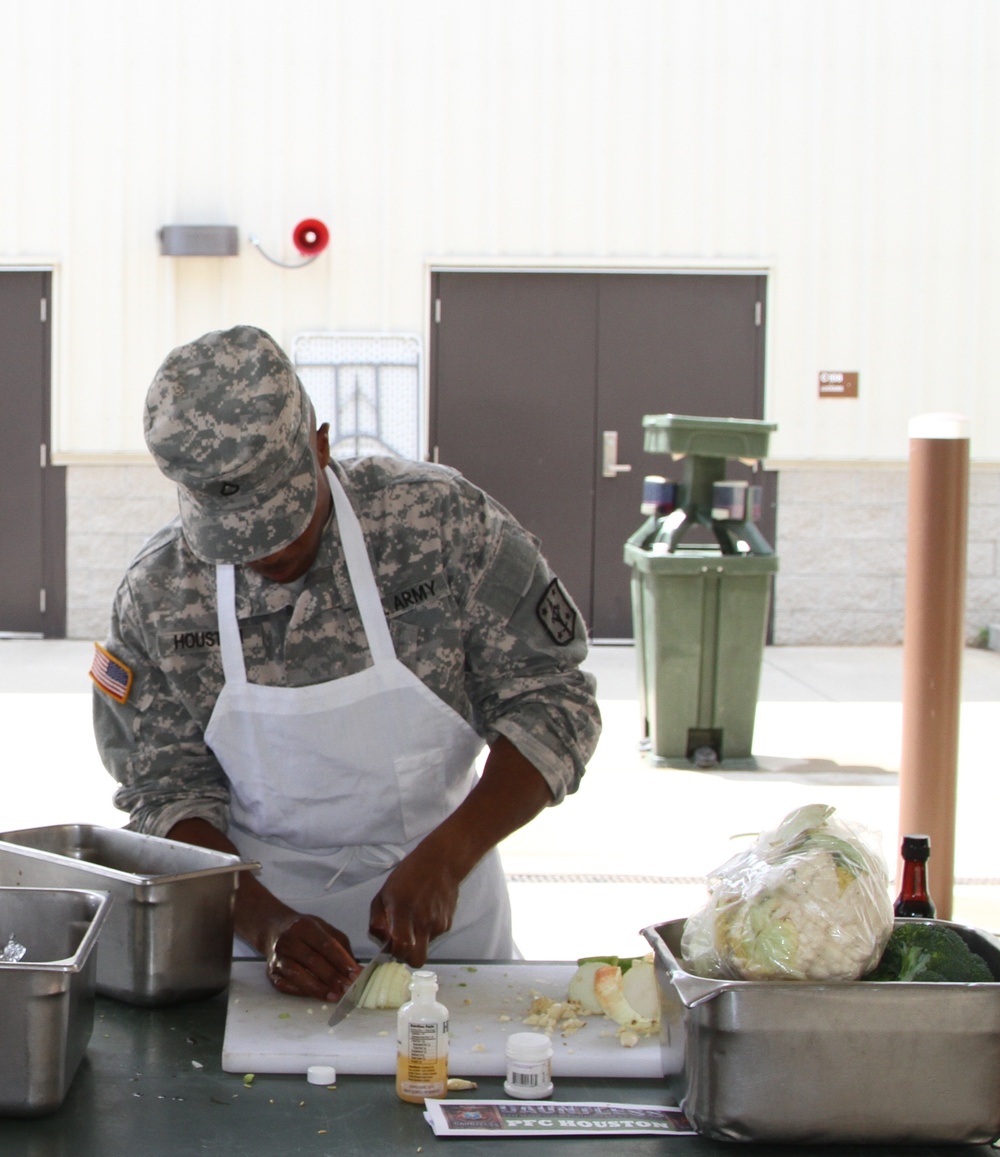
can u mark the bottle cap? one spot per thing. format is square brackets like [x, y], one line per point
[529, 1046]
[423, 980]
[321, 1075]
[916, 847]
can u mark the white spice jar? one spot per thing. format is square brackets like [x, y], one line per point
[529, 1066]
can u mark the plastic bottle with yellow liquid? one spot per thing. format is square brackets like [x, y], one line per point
[422, 1042]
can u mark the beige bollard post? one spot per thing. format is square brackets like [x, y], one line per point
[933, 639]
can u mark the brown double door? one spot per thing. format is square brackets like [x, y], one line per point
[529, 373]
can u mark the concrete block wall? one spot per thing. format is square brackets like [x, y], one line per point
[841, 544]
[110, 512]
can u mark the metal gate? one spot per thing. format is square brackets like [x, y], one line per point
[368, 386]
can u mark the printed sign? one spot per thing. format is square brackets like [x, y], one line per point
[838, 383]
[550, 1119]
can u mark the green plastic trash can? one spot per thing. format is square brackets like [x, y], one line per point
[700, 610]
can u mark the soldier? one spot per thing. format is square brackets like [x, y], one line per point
[303, 667]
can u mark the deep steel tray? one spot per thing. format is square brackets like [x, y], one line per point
[169, 936]
[46, 998]
[848, 1061]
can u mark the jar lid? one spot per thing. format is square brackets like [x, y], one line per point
[528, 1046]
[321, 1075]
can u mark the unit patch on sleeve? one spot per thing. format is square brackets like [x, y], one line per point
[557, 613]
[110, 674]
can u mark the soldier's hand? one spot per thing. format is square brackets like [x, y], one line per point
[309, 957]
[415, 905]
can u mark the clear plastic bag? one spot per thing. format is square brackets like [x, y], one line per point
[809, 901]
[13, 953]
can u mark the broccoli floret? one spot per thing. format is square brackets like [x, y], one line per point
[929, 952]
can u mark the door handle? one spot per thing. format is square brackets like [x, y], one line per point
[610, 467]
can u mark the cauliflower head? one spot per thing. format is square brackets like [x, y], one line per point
[809, 901]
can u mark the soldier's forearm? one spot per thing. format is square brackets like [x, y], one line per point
[258, 911]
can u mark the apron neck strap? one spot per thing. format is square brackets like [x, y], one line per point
[359, 570]
[233, 666]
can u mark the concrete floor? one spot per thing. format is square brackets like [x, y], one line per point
[631, 848]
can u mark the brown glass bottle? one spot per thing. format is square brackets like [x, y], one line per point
[914, 899]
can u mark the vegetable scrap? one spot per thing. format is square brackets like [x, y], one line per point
[548, 1015]
[458, 1084]
[624, 990]
[631, 999]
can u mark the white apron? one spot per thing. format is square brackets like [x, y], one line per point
[332, 784]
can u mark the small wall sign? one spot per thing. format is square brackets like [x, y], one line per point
[838, 383]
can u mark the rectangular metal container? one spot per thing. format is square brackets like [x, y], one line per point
[169, 936]
[46, 998]
[838, 1062]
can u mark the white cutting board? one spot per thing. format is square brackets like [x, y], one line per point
[268, 1032]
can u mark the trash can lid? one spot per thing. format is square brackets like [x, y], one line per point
[706, 437]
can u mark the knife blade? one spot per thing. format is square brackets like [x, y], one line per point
[349, 1001]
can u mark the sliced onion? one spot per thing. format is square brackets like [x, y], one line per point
[581, 987]
[387, 987]
[608, 987]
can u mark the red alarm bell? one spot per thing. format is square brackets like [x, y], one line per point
[311, 237]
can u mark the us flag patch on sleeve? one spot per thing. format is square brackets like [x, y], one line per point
[110, 674]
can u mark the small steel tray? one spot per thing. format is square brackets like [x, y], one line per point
[169, 936]
[47, 997]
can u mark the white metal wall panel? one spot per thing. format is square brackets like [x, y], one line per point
[847, 146]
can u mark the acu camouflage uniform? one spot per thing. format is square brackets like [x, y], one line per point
[473, 608]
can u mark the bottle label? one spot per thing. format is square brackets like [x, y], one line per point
[423, 1060]
[529, 1076]
[423, 1078]
[423, 1041]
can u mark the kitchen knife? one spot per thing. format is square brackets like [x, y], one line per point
[349, 1001]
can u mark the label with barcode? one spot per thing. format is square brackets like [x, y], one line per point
[530, 1078]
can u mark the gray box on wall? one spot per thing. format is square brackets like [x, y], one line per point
[199, 241]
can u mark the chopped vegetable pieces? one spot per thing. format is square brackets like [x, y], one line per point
[581, 987]
[387, 987]
[610, 989]
[625, 991]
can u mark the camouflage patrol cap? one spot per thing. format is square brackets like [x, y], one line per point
[227, 419]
